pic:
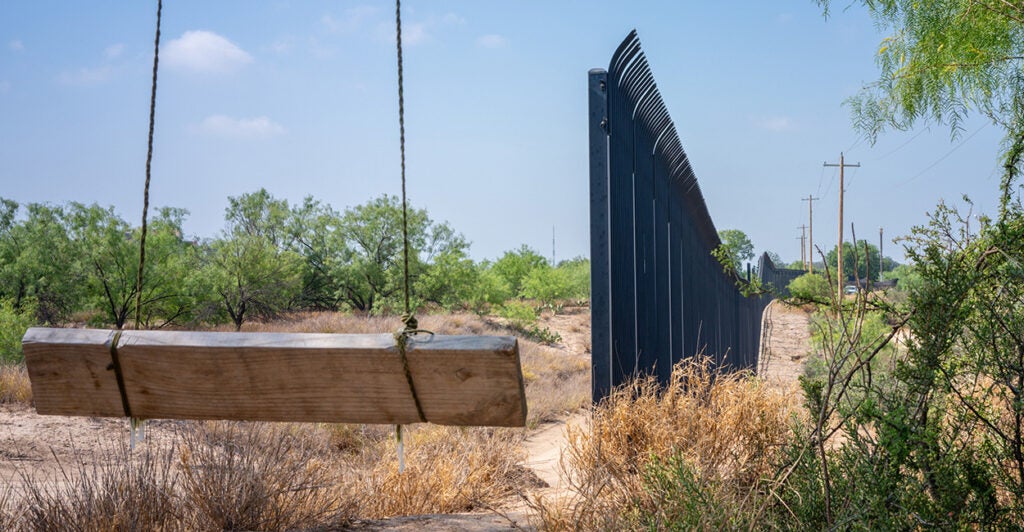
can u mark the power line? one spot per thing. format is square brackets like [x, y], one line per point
[810, 199]
[833, 180]
[943, 158]
[856, 143]
[849, 180]
[901, 146]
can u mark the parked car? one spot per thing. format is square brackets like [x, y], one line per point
[850, 289]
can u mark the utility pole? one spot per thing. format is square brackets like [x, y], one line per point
[553, 263]
[839, 267]
[803, 241]
[881, 262]
[810, 199]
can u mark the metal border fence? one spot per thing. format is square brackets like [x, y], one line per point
[657, 293]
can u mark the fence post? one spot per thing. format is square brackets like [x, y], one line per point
[600, 280]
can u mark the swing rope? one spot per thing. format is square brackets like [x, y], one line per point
[409, 322]
[137, 425]
[149, 164]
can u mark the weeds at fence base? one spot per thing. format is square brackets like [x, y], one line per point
[699, 452]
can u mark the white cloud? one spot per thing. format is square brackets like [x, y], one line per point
[113, 51]
[16, 45]
[452, 19]
[319, 49]
[419, 32]
[240, 128]
[205, 51]
[777, 124]
[86, 76]
[491, 41]
[351, 20]
[5, 86]
[282, 45]
[414, 34]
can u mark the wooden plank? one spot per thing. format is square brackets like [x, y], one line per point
[68, 370]
[468, 380]
[461, 380]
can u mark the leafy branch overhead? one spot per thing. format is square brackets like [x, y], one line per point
[941, 60]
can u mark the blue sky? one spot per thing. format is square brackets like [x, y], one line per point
[299, 97]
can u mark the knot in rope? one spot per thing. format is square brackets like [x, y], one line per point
[410, 322]
[411, 328]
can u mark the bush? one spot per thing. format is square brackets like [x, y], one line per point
[569, 281]
[523, 318]
[13, 324]
[810, 287]
[491, 289]
[699, 453]
[515, 266]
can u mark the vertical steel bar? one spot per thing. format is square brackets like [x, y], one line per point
[600, 282]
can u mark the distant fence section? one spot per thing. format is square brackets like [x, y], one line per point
[657, 295]
[774, 278]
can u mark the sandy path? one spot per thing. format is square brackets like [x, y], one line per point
[785, 345]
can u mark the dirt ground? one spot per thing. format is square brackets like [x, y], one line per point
[31, 444]
[785, 345]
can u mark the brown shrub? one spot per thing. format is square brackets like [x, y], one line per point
[14, 384]
[447, 470]
[258, 476]
[728, 429]
[126, 491]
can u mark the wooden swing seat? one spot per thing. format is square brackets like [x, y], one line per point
[299, 377]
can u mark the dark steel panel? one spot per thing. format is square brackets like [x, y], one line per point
[658, 296]
[600, 290]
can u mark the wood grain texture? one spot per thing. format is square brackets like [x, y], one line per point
[69, 372]
[339, 378]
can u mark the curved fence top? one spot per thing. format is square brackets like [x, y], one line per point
[630, 75]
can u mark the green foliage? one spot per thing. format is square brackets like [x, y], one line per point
[906, 277]
[252, 277]
[941, 60]
[523, 318]
[108, 250]
[737, 248]
[270, 258]
[28, 269]
[859, 262]
[515, 266]
[518, 313]
[260, 214]
[491, 289]
[311, 228]
[683, 501]
[810, 287]
[577, 271]
[547, 285]
[368, 269]
[13, 324]
[451, 281]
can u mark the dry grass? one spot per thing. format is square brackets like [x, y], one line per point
[14, 384]
[262, 476]
[557, 383]
[125, 492]
[448, 470]
[726, 429]
[257, 476]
